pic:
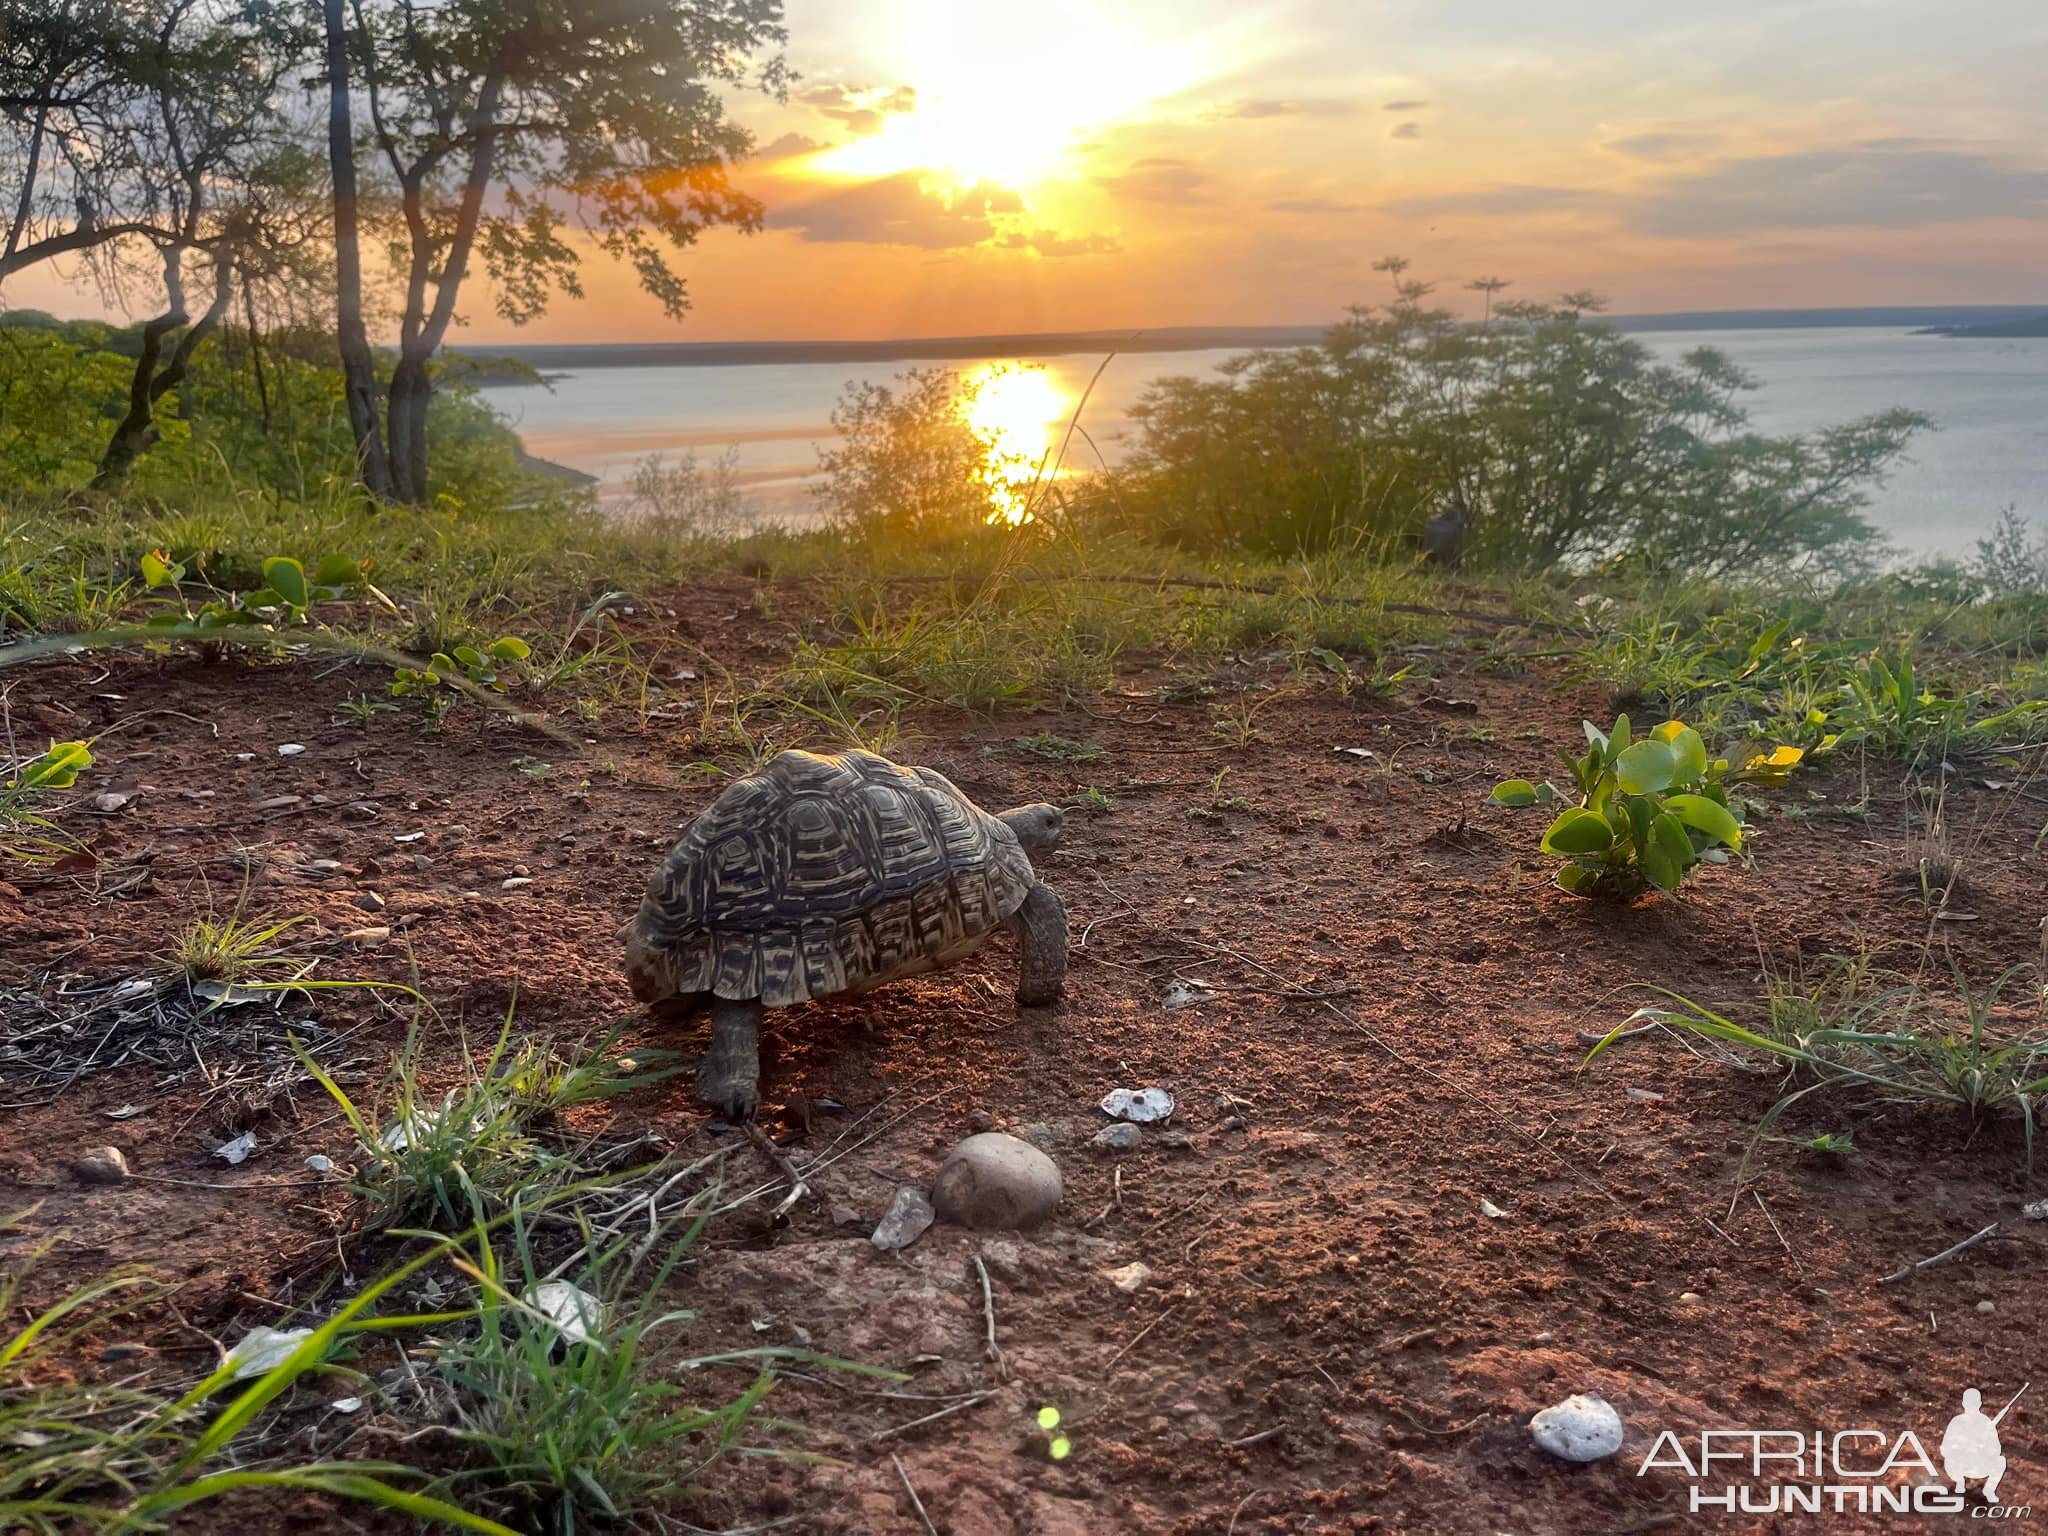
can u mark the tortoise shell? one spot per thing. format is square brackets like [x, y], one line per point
[819, 875]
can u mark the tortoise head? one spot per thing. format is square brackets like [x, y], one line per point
[1037, 826]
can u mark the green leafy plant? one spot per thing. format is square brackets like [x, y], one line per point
[285, 598]
[24, 834]
[1059, 749]
[490, 667]
[1648, 811]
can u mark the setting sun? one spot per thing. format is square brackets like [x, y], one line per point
[1007, 94]
[1016, 413]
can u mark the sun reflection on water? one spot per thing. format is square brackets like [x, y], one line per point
[1018, 413]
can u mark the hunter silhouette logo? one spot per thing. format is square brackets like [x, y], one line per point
[1969, 1446]
[1862, 1470]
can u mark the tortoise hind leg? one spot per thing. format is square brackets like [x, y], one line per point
[731, 1083]
[1041, 927]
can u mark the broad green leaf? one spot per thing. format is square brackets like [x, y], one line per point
[1578, 832]
[1686, 747]
[159, 570]
[1514, 792]
[338, 571]
[1668, 853]
[287, 578]
[510, 648]
[1577, 879]
[1708, 816]
[1646, 768]
[1595, 736]
[57, 768]
[1619, 738]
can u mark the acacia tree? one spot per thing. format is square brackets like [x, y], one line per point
[505, 126]
[232, 182]
[75, 172]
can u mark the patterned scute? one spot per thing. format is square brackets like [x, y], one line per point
[818, 875]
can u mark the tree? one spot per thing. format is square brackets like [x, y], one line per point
[75, 171]
[232, 186]
[504, 125]
[1565, 440]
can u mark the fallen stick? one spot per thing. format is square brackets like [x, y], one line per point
[897, 1429]
[915, 1502]
[797, 1187]
[1945, 1255]
[993, 1354]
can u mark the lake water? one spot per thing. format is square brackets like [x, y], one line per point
[1989, 400]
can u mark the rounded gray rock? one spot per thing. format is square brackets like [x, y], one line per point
[1584, 1427]
[994, 1180]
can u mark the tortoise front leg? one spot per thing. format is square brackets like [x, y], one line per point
[731, 1082]
[1041, 927]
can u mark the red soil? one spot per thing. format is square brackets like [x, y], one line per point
[1335, 1337]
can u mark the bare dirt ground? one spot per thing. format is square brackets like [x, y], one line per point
[1337, 1336]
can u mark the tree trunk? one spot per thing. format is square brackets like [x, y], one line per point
[256, 354]
[358, 367]
[148, 385]
[406, 425]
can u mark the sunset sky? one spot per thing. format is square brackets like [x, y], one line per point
[957, 166]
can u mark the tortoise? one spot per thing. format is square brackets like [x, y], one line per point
[822, 876]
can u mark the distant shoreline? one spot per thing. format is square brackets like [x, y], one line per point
[558, 357]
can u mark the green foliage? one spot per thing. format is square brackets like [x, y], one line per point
[1564, 439]
[25, 834]
[906, 465]
[1060, 749]
[1648, 810]
[576, 1399]
[483, 1147]
[1908, 1043]
[284, 600]
[85, 1456]
[483, 667]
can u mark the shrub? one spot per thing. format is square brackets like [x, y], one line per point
[1649, 810]
[1565, 440]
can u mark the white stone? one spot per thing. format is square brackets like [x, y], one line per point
[910, 1213]
[1130, 1279]
[1584, 1427]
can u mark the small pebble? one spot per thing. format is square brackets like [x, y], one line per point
[290, 749]
[1688, 1296]
[1644, 1095]
[100, 1165]
[1130, 1279]
[1584, 1427]
[1117, 1138]
[2038, 1211]
[370, 901]
[979, 1120]
[320, 1164]
[993, 1180]
[1987, 1307]
[516, 883]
